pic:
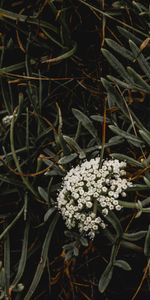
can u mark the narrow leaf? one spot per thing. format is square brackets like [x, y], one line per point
[147, 181]
[120, 49]
[145, 136]
[122, 264]
[49, 213]
[134, 236]
[140, 58]
[129, 159]
[43, 194]
[43, 259]
[67, 158]
[86, 122]
[147, 243]
[112, 218]
[124, 134]
[23, 257]
[105, 278]
[128, 35]
[73, 145]
[142, 84]
[114, 62]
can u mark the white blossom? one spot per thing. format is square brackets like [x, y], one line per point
[7, 120]
[87, 185]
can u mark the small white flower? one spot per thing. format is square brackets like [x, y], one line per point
[118, 207]
[89, 204]
[80, 206]
[123, 194]
[105, 211]
[104, 189]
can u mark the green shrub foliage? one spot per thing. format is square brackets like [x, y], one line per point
[75, 87]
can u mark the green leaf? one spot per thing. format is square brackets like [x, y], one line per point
[131, 246]
[114, 62]
[119, 49]
[128, 35]
[73, 145]
[122, 264]
[128, 159]
[126, 135]
[49, 213]
[6, 230]
[145, 136]
[115, 97]
[86, 122]
[43, 194]
[67, 158]
[114, 221]
[139, 187]
[147, 181]
[140, 58]
[147, 243]
[105, 278]
[43, 259]
[134, 236]
[84, 241]
[139, 81]
[7, 261]
[120, 82]
[2, 278]
[146, 201]
[99, 118]
[23, 257]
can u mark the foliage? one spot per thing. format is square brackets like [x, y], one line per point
[75, 84]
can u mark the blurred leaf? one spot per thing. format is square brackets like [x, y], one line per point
[67, 159]
[55, 172]
[139, 187]
[147, 181]
[146, 202]
[7, 261]
[2, 278]
[99, 118]
[105, 278]
[134, 236]
[126, 158]
[122, 264]
[119, 49]
[114, 221]
[6, 230]
[114, 62]
[145, 136]
[142, 84]
[84, 241]
[128, 35]
[120, 82]
[115, 97]
[73, 144]
[43, 259]
[126, 135]
[23, 258]
[147, 243]
[43, 194]
[49, 213]
[141, 59]
[86, 122]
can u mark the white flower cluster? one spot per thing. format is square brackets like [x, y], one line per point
[7, 120]
[86, 186]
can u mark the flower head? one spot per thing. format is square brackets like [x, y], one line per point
[88, 185]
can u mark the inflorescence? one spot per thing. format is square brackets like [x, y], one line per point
[88, 186]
